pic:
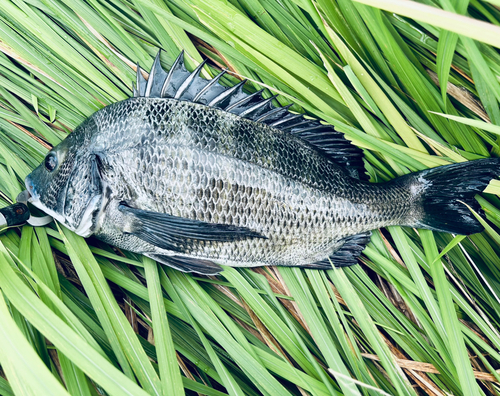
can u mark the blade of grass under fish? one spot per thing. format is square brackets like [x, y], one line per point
[213, 40]
[296, 282]
[92, 277]
[425, 350]
[171, 381]
[127, 39]
[339, 112]
[25, 370]
[446, 46]
[273, 323]
[64, 70]
[376, 93]
[119, 279]
[414, 82]
[481, 72]
[26, 86]
[359, 113]
[34, 121]
[398, 379]
[60, 334]
[35, 338]
[48, 32]
[20, 49]
[454, 337]
[106, 325]
[324, 378]
[241, 27]
[445, 52]
[231, 385]
[5, 388]
[63, 311]
[83, 21]
[454, 242]
[43, 265]
[235, 331]
[259, 375]
[474, 123]
[171, 33]
[419, 279]
[328, 301]
[459, 299]
[298, 377]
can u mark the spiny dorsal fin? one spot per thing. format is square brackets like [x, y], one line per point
[156, 78]
[193, 84]
[183, 85]
[140, 82]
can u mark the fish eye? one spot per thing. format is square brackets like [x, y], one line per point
[50, 162]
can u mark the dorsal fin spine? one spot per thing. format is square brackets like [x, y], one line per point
[179, 59]
[286, 119]
[189, 80]
[151, 78]
[274, 112]
[244, 100]
[226, 93]
[209, 85]
[140, 81]
[258, 106]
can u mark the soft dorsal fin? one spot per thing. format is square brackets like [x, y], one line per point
[183, 85]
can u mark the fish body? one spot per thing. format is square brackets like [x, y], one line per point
[230, 180]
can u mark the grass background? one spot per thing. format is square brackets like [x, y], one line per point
[415, 84]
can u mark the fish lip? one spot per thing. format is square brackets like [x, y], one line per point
[23, 197]
[33, 196]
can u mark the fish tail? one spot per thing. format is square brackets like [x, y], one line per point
[444, 191]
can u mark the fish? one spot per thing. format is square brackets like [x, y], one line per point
[195, 175]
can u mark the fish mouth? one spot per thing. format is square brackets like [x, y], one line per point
[86, 226]
[31, 196]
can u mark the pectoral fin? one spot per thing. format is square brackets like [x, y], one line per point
[176, 233]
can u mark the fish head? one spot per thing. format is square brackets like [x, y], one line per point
[65, 184]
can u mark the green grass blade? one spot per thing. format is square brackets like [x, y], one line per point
[91, 362]
[88, 268]
[348, 293]
[469, 27]
[455, 339]
[167, 360]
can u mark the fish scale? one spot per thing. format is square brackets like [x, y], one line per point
[195, 174]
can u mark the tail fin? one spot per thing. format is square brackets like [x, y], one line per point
[446, 187]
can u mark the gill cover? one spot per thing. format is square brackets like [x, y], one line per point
[66, 185]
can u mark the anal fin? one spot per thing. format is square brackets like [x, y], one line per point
[347, 255]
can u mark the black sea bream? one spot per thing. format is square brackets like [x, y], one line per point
[194, 174]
